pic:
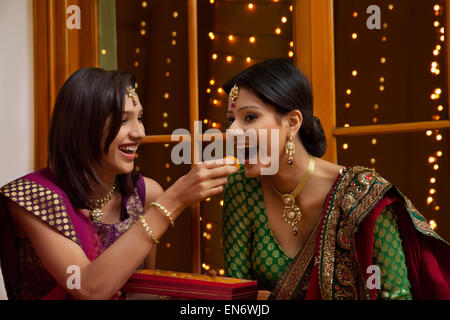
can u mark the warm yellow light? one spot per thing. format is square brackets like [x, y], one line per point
[374, 141]
[381, 80]
[137, 50]
[252, 39]
[437, 208]
[383, 39]
[291, 44]
[144, 4]
[214, 124]
[222, 272]
[211, 35]
[355, 14]
[346, 125]
[381, 88]
[375, 120]
[278, 31]
[354, 73]
[168, 179]
[248, 59]
[347, 105]
[436, 167]
[438, 91]
[438, 47]
[165, 115]
[345, 146]
[372, 161]
[205, 121]
[251, 6]
[165, 124]
[432, 191]
[433, 224]
[230, 37]
[436, 24]
[175, 14]
[209, 226]
[211, 1]
[430, 200]
[442, 38]
[433, 180]
[143, 32]
[103, 52]
[429, 133]
[354, 35]
[440, 108]
[436, 52]
[348, 92]
[174, 42]
[215, 102]
[208, 199]
[229, 59]
[208, 90]
[431, 159]
[168, 245]
[383, 60]
[166, 95]
[220, 90]
[212, 82]
[376, 106]
[439, 137]
[439, 153]
[214, 56]
[434, 64]
[168, 61]
[174, 34]
[391, 7]
[442, 30]
[291, 54]
[284, 19]
[436, 7]
[221, 203]
[143, 23]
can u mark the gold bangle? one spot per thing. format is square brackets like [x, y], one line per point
[165, 212]
[149, 231]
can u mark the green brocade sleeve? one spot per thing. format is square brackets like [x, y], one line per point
[388, 255]
[237, 235]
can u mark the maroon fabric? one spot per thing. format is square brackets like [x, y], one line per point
[427, 258]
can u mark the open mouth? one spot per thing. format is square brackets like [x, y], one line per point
[130, 149]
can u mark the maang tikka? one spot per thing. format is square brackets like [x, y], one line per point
[233, 96]
[290, 149]
[131, 92]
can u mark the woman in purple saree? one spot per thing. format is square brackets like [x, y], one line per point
[81, 227]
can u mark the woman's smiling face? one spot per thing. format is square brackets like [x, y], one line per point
[122, 150]
[249, 112]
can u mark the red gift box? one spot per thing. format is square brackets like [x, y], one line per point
[190, 285]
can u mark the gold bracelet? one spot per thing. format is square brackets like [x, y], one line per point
[165, 212]
[149, 231]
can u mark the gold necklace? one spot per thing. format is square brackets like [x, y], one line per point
[291, 212]
[97, 213]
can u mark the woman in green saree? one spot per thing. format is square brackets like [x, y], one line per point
[317, 230]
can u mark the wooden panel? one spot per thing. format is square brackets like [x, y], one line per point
[314, 39]
[194, 116]
[392, 128]
[58, 53]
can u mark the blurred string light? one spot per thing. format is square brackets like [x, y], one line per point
[435, 98]
[235, 41]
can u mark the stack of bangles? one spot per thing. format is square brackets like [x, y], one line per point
[165, 212]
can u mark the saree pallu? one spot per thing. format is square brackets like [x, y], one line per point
[335, 260]
[23, 273]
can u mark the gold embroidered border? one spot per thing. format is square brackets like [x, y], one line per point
[299, 267]
[43, 203]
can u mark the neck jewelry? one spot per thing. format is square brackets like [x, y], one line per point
[97, 213]
[292, 213]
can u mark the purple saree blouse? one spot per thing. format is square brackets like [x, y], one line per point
[24, 275]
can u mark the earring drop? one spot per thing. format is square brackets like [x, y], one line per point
[290, 149]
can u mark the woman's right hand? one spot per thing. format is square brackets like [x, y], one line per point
[204, 180]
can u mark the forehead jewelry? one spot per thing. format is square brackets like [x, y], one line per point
[131, 92]
[233, 96]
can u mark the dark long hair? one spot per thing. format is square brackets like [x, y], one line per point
[87, 99]
[279, 83]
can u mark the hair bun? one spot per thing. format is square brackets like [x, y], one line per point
[313, 137]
